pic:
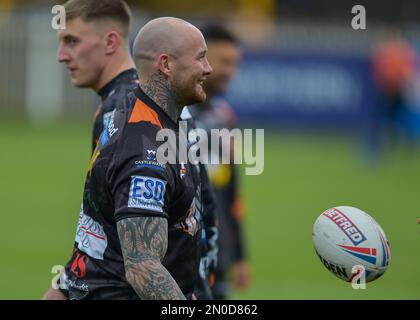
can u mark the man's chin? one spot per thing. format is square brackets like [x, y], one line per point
[79, 84]
[201, 97]
[198, 97]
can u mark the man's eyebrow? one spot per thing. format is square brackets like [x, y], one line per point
[67, 37]
[62, 36]
[202, 52]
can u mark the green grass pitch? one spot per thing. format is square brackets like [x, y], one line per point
[42, 174]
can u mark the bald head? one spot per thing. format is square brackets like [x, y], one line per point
[171, 58]
[166, 35]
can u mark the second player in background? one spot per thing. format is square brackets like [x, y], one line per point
[216, 113]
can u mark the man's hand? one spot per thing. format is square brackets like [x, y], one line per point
[54, 294]
[144, 242]
[241, 275]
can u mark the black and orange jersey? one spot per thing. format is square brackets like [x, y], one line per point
[111, 94]
[210, 233]
[216, 113]
[125, 180]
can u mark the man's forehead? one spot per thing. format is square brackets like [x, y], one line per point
[76, 27]
[199, 42]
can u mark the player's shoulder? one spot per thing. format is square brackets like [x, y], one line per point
[136, 126]
[116, 96]
[114, 120]
[142, 119]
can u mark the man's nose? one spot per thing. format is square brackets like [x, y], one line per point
[62, 55]
[207, 68]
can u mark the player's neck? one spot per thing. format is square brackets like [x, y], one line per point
[160, 91]
[117, 64]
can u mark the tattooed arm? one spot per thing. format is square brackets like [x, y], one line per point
[144, 243]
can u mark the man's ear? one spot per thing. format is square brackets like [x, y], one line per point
[112, 42]
[164, 65]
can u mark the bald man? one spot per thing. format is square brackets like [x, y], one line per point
[140, 221]
[176, 76]
[182, 82]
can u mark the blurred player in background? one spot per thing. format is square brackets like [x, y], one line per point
[209, 240]
[393, 61]
[216, 113]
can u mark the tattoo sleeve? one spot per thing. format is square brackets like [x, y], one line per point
[143, 243]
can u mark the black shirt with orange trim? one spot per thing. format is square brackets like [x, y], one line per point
[111, 94]
[126, 180]
[217, 113]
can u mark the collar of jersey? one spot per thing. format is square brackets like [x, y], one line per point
[125, 76]
[167, 121]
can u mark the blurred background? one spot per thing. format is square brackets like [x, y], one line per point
[341, 109]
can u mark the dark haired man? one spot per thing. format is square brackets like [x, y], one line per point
[216, 113]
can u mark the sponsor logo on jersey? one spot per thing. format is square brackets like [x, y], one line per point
[78, 267]
[77, 285]
[346, 225]
[109, 127]
[112, 129]
[107, 118]
[90, 236]
[149, 164]
[151, 155]
[147, 193]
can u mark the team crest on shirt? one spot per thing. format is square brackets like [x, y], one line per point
[151, 155]
[147, 193]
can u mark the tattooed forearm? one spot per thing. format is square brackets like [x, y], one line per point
[143, 243]
[158, 88]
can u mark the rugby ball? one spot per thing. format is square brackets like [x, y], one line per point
[345, 237]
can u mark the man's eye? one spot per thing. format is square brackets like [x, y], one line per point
[71, 41]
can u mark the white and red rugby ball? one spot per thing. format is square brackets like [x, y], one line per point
[344, 237]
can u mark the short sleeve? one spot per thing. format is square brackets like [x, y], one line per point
[140, 185]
